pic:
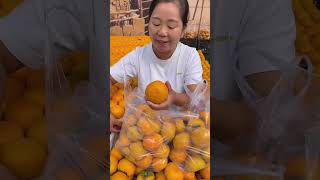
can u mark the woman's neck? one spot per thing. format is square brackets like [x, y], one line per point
[163, 56]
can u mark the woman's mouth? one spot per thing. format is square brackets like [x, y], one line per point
[162, 43]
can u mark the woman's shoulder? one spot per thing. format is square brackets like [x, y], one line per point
[189, 55]
[141, 49]
[187, 49]
[188, 52]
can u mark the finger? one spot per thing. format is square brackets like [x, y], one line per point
[157, 106]
[112, 118]
[115, 128]
[168, 85]
[153, 106]
[117, 122]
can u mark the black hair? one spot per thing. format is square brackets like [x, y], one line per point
[183, 5]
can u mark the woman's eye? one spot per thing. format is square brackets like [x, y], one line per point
[172, 25]
[156, 23]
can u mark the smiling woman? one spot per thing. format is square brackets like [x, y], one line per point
[170, 77]
[165, 59]
[165, 29]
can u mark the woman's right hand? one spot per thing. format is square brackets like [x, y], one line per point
[115, 124]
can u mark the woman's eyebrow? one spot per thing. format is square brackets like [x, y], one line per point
[173, 20]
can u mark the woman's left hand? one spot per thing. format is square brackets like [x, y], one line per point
[165, 105]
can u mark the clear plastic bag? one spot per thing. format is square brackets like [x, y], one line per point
[312, 154]
[75, 119]
[200, 98]
[233, 169]
[229, 165]
[142, 139]
[198, 157]
[72, 161]
[281, 114]
[70, 140]
[3, 86]
[152, 139]
[285, 117]
[77, 126]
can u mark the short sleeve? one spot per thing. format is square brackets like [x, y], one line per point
[24, 30]
[268, 36]
[125, 67]
[193, 73]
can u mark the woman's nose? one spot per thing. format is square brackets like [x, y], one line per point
[163, 31]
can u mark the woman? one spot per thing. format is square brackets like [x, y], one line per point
[165, 58]
[256, 34]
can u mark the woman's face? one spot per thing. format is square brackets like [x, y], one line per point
[165, 29]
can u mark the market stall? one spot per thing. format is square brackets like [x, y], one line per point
[149, 142]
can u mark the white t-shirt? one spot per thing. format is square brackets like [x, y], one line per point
[254, 32]
[181, 69]
[74, 24]
[252, 25]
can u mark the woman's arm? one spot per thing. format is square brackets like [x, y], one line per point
[8, 65]
[8, 61]
[180, 99]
